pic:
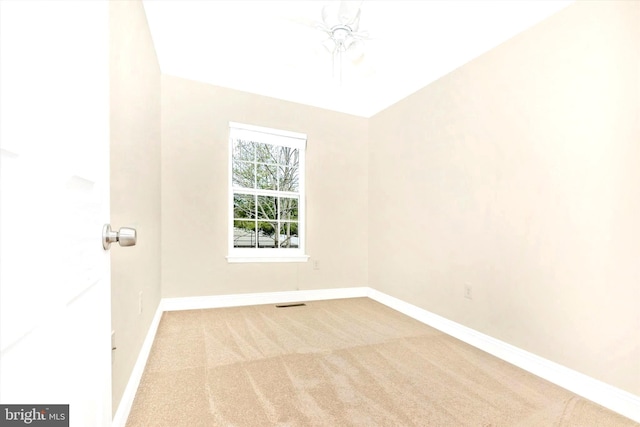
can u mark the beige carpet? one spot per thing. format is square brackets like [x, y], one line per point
[351, 362]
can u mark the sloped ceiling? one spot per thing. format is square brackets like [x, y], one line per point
[272, 48]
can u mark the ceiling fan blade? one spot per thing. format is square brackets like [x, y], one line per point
[343, 12]
[309, 23]
[361, 35]
[355, 21]
[349, 11]
[328, 13]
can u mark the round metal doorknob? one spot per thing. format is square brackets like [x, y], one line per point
[125, 236]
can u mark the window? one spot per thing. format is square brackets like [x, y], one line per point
[266, 195]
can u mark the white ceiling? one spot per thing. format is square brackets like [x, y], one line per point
[271, 48]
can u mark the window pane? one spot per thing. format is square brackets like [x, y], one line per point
[244, 234]
[288, 209]
[267, 207]
[244, 206]
[267, 234]
[267, 153]
[289, 235]
[244, 174]
[243, 150]
[266, 177]
[287, 178]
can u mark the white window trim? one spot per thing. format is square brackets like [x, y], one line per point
[269, 136]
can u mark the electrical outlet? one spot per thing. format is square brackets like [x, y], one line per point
[316, 264]
[467, 291]
[140, 302]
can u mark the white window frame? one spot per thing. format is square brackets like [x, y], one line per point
[274, 137]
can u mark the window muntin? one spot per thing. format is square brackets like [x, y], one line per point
[266, 194]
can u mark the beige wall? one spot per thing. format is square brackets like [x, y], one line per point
[195, 120]
[519, 174]
[135, 182]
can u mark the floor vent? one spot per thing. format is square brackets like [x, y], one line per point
[295, 304]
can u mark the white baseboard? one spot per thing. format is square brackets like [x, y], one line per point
[610, 397]
[122, 413]
[238, 300]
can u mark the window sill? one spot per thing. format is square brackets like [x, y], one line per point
[245, 259]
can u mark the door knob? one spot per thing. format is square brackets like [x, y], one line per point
[125, 236]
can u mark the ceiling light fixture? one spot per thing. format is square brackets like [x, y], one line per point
[341, 21]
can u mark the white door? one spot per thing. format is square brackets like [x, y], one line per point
[54, 140]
